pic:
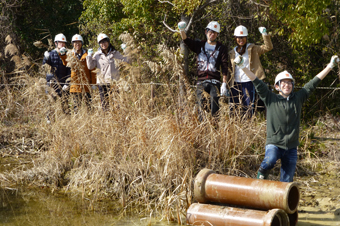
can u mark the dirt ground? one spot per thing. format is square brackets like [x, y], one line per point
[320, 192]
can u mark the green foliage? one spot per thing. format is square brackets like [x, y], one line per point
[304, 20]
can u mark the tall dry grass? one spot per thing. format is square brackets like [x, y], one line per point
[145, 151]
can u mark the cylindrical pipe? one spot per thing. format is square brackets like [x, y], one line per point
[208, 215]
[293, 218]
[247, 192]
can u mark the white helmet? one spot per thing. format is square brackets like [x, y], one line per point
[241, 31]
[214, 25]
[60, 38]
[102, 36]
[283, 75]
[77, 37]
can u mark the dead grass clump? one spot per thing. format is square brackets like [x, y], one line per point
[11, 50]
[141, 154]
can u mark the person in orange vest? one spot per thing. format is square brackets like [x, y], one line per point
[82, 78]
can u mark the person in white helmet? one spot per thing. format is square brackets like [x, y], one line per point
[242, 89]
[59, 72]
[212, 60]
[104, 60]
[81, 77]
[283, 117]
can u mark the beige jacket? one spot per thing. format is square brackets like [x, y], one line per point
[254, 51]
[106, 64]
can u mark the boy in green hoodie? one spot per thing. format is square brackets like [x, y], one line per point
[283, 118]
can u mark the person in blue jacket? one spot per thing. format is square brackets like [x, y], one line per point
[58, 78]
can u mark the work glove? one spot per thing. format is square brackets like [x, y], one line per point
[46, 55]
[263, 30]
[63, 51]
[65, 87]
[123, 46]
[182, 25]
[93, 87]
[90, 52]
[239, 61]
[224, 90]
[334, 61]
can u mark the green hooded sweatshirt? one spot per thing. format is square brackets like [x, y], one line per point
[283, 114]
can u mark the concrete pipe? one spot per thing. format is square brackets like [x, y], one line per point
[254, 193]
[293, 218]
[208, 215]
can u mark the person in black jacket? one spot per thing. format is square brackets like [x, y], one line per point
[57, 79]
[212, 58]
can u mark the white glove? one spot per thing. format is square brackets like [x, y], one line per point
[93, 87]
[62, 50]
[224, 91]
[46, 55]
[65, 87]
[90, 52]
[123, 46]
[239, 61]
[263, 30]
[334, 61]
[182, 25]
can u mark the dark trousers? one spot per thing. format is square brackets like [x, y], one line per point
[79, 98]
[63, 95]
[203, 103]
[242, 98]
[106, 92]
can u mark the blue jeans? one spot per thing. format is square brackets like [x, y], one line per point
[288, 161]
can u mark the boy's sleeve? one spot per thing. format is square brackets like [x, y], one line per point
[263, 90]
[91, 62]
[192, 44]
[63, 59]
[308, 88]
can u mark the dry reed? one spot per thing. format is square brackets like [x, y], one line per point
[141, 154]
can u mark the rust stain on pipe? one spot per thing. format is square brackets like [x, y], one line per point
[254, 193]
[208, 215]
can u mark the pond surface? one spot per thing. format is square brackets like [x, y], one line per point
[35, 208]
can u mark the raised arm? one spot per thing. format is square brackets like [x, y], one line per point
[326, 70]
[181, 26]
[240, 63]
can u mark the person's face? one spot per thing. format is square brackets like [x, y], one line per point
[60, 44]
[77, 45]
[286, 86]
[211, 35]
[104, 44]
[241, 41]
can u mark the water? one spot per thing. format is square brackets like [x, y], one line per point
[35, 207]
[40, 207]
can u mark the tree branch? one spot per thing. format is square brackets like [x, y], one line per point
[259, 4]
[167, 26]
[167, 2]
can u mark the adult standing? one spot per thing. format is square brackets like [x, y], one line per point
[104, 60]
[59, 72]
[212, 59]
[283, 118]
[242, 89]
[81, 76]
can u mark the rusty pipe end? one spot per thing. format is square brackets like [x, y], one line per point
[199, 186]
[291, 201]
[276, 217]
[293, 218]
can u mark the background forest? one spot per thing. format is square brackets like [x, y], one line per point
[148, 148]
